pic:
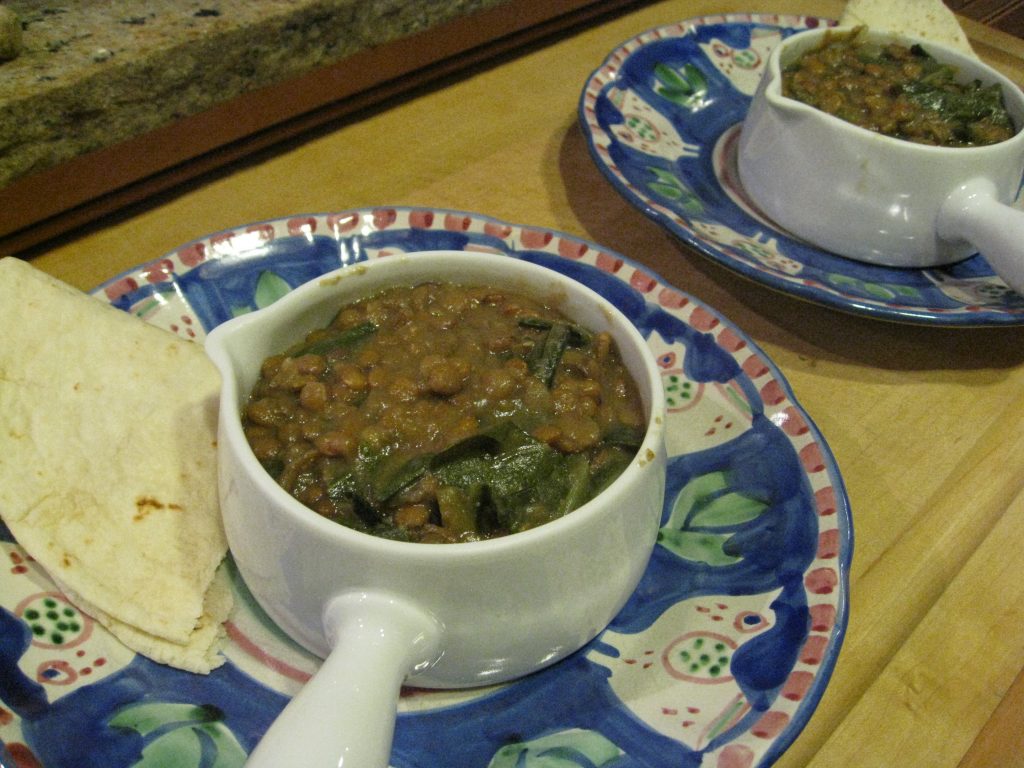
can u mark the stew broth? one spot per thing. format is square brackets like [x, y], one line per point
[445, 413]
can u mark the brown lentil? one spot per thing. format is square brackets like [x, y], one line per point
[896, 90]
[433, 370]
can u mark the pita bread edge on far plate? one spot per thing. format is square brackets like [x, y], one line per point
[927, 19]
[108, 461]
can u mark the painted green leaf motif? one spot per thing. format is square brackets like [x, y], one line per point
[845, 280]
[666, 190]
[686, 86]
[726, 510]
[884, 291]
[700, 487]
[229, 753]
[668, 186]
[146, 718]
[879, 291]
[181, 736]
[704, 517]
[664, 176]
[700, 547]
[269, 288]
[566, 749]
[175, 749]
[669, 78]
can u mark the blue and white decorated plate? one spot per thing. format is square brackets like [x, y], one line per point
[718, 659]
[662, 117]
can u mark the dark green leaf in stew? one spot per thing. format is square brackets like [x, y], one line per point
[443, 413]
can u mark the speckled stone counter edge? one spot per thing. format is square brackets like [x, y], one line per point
[99, 103]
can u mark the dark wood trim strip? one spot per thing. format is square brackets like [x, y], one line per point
[53, 202]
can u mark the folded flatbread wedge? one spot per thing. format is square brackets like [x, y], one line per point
[108, 464]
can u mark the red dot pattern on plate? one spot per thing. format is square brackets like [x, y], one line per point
[811, 458]
[185, 328]
[119, 288]
[825, 499]
[497, 229]
[342, 223]
[718, 423]
[672, 299]
[192, 255]
[797, 685]
[264, 231]
[571, 249]
[703, 320]
[821, 581]
[608, 263]
[708, 610]
[730, 341]
[735, 756]
[814, 649]
[642, 281]
[421, 219]
[62, 673]
[159, 271]
[770, 725]
[645, 663]
[823, 617]
[19, 563]
[302, 225]
[97, 663]
[772, 393]
[535, 238]
[793, 424]
[754, 367]
[828, 544]
[222, 241]
[454, 223]
[384, 217]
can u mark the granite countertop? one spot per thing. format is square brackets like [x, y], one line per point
[92, 74]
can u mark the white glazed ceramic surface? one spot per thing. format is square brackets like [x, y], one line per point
[878, 199]
[450, 615]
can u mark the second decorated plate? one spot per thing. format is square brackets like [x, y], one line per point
[662, 117]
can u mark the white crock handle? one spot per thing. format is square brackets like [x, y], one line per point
[972, 212]
[345, 714]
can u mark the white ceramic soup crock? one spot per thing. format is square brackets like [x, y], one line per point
[875, 198]
[435, 615]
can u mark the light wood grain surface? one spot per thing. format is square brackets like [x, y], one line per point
[927, 424]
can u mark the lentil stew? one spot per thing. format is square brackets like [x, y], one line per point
[897, 90]
[443, 413]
